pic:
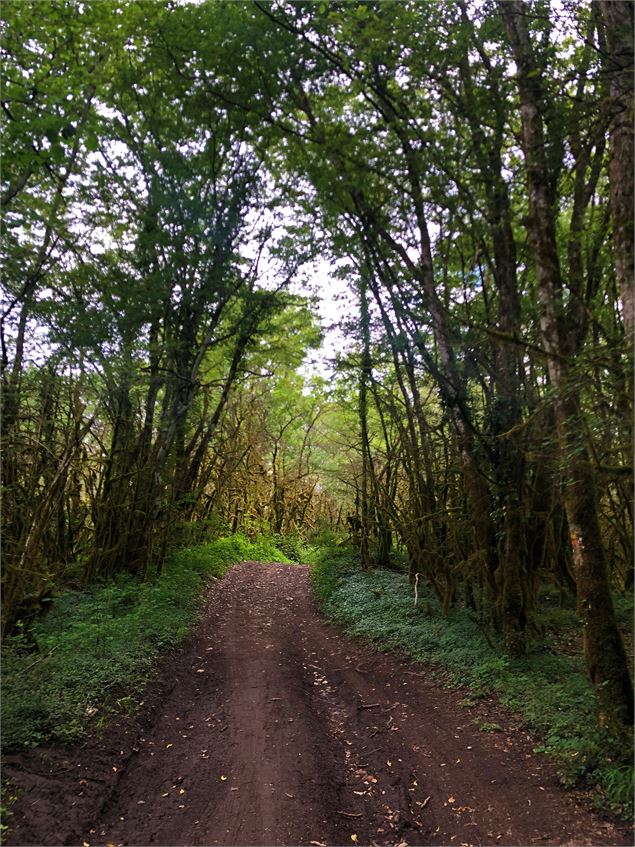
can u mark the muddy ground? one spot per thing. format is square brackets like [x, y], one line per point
[269, 727]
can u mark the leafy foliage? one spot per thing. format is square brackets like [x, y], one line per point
[170, 170]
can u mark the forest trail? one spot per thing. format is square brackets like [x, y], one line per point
[269, 727]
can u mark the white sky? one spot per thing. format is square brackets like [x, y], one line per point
[335, 303]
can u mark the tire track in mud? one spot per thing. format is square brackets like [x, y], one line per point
[269, 727]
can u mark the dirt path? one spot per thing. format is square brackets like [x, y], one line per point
[271, 728]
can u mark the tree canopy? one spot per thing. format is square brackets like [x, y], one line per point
[173, 172]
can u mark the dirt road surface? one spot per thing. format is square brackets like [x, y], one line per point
[269, 727]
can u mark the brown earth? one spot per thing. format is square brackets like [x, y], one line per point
[269, 727]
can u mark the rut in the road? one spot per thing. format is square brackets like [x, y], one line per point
[276, 729]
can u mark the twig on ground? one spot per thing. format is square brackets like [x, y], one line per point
[41, 659]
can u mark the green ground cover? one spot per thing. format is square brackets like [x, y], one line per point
[98, 647]
[548, 689]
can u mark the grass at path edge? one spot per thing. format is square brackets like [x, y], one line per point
[550, 692]
[98, 647]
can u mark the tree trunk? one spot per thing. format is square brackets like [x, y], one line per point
[364, 379]
[604, 651]
[617, 16]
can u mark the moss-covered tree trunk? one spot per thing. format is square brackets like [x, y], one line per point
[604, 651]
[617, 16]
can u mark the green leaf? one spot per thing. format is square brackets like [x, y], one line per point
[92, 143]
[57, 154]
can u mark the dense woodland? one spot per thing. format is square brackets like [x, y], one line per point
[173, 171]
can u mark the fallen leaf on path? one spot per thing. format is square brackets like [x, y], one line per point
[223, 778]
[353, 839]
[167, 794]
[451, 800]
[181, 791]
[167, 746]
[200, 670]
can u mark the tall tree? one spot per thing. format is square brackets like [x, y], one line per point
[604, 650]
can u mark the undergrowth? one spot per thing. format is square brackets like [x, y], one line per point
[98, 647]
[8, 796]
[550, 692]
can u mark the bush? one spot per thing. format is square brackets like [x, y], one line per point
[292, 545]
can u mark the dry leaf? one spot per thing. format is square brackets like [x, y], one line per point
[223, 778]
[181, 791]
[354, 838]
[167, 746]
[451, 800]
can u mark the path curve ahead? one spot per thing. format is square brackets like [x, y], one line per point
[272, 728]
